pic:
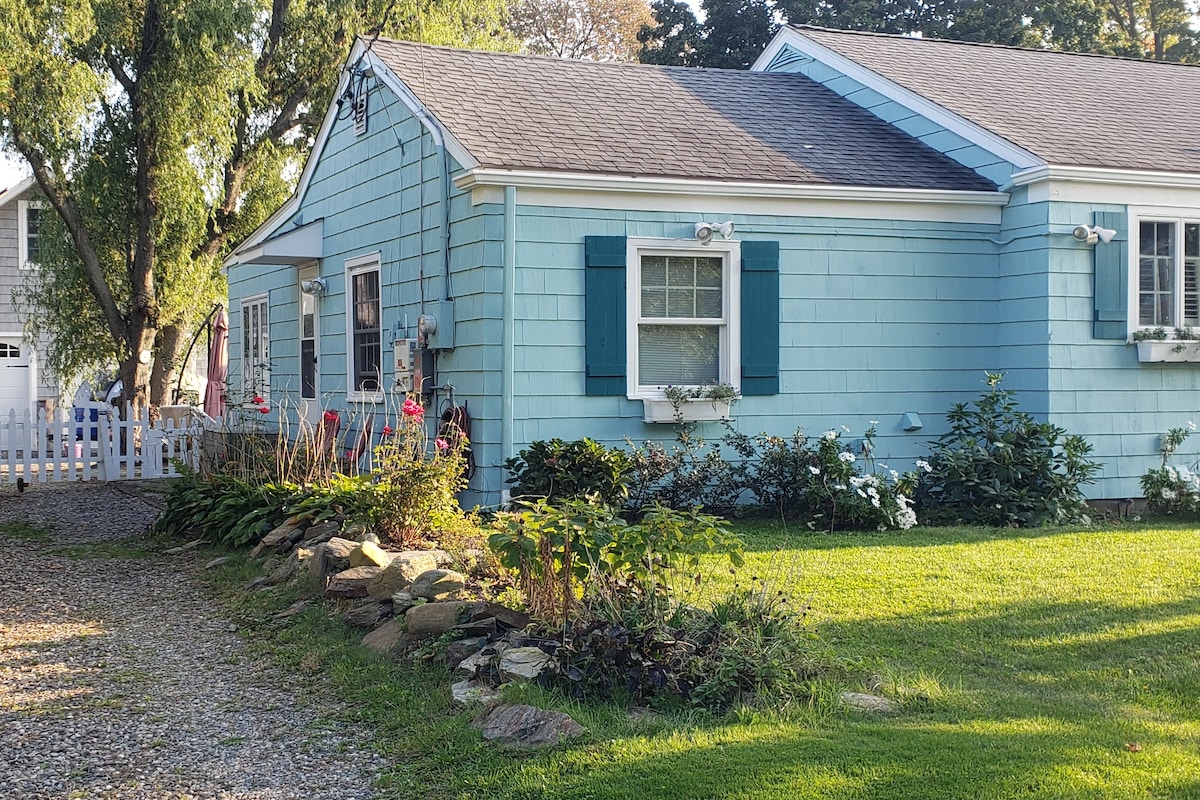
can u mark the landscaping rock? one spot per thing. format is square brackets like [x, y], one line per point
[183, 548]
[369, 554]
[321, 532]
[292, 610]
[524, 663]
[281, 538]
[476, 661]
[351, 582]
[467, 693]
[507, 617]
[437, 584]
[318, 565]
[461, 649]
[478, 627]
[401, 602]
[871, 703]
[527, 726]
[286, 570]
[398, 575]
[432, 619]
[216, 562]
[387, 638]
[367, 615]
[337, 553]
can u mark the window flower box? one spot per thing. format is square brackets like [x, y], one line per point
[697, 410]
[1169, 350]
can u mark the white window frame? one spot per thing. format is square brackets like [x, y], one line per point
[356, 266]
[255, 381]
[23, 207]
[1137, 215]
[730, 361]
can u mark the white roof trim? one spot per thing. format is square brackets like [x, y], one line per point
[304, 243]
[12, 192]
[686, 186]
[972, 132]
[292, 204]
[1130, 177]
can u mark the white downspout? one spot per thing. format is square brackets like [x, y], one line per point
[508, 304]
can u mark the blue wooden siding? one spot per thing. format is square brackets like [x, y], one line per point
[377, 193]
[939, 138]
[878, 319]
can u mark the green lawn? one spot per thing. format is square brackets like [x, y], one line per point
[1047, 664]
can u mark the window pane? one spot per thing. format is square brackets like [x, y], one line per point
[366, 345]
[654, 302]
[681, 303]
[308, 369]
[1191, 264]
[681, 271]
[708, 272]
[678, 354]
[1156, 273]
[654, 270]
[708, 303]
[33, 223]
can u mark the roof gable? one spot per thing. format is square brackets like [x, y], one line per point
[1068, 109]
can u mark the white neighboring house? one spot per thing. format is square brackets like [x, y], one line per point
[24, 383]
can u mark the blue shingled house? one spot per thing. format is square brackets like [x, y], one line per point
[853, 230]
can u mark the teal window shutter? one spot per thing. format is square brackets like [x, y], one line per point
[604, 314]
[760, 318]
[1111, 280]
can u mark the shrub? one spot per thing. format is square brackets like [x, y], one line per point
[689, 473]
[583, 548]
[558, 470]
[999, 466]
[1172, 490]
[820, 480]
[753, 644]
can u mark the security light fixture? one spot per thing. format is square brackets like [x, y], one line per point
[1093, 233]
[315, 287]
[706, 230]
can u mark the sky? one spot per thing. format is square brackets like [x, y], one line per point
[12, 172]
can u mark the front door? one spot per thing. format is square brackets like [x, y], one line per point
[310, 374]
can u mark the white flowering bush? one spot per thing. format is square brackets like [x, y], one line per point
[822, 482]
[1172, 490]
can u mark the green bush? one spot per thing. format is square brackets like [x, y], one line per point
[822, 482]
[558, 470]
[583, 549]
[690, 472]
[1172, 490]
[999, 466]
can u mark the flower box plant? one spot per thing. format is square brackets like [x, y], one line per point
[708, 402]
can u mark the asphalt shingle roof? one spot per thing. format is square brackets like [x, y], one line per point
[524, 112]
[1066, 108]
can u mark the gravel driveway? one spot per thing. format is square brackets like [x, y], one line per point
[118, 679]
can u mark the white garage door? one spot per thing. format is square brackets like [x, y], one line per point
[14, 376]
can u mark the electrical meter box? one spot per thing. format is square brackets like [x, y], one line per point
[405, 351]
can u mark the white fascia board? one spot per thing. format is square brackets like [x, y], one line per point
[1097, 185]
[441, 135]
[15, 191]
[305, 243]
[918, 104]
[618, 192]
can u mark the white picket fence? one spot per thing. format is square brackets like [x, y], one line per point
[58, 448]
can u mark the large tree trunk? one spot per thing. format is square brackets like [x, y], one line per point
[167, 366]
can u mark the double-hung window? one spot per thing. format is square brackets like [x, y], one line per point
[29, 227]
[684, 304]
[256, 348]
[365, 337]
[1167, 260]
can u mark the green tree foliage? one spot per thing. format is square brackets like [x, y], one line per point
[1157, 29]
[163, 131]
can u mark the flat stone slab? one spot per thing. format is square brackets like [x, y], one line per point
[528, 726]
[870, 703]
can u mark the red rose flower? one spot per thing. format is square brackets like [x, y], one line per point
[258, 400]
[387, 430]
[265, 410]
[412, 408]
